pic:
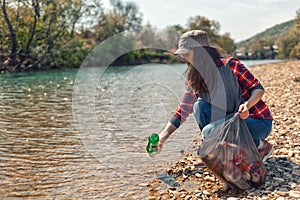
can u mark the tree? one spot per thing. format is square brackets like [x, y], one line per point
[202, 23]
[40, 31]
[226, 43]
[36, 14]
[124, 16]
[12, 30]
[289, 45]
[297, 19]
[212, 28]
[177, 27]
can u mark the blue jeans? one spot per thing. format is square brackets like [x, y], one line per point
[259, 128]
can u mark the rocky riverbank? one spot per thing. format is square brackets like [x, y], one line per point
[282, 84]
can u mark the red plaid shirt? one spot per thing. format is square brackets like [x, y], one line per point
[247, 82]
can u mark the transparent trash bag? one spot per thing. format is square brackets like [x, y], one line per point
[229, 151]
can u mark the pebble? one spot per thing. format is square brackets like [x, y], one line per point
[209, 178]
[272, 160]
[281, 193]
[278, 179]
[294, 194]
[265, 197]
[293, 185]
[144, 184]
[198, 194]
[284, 189]
[296, 172]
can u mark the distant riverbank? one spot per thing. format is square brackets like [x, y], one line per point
[250, 63]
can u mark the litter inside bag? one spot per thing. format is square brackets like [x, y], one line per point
[229, 151]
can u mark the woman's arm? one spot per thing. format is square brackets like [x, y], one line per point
[256, 95]
[247, 82]
[165, 134]
[179, 116]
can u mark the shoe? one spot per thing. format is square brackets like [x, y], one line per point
[266, 150]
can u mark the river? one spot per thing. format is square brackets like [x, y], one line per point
[50, 148]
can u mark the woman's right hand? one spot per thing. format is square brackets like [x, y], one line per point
[165, 134]
[162, 139]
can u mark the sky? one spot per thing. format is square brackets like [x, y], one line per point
[241, 18]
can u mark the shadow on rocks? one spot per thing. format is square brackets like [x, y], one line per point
[283, 176]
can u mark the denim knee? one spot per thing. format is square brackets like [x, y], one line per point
[210, 127]
[206, 130]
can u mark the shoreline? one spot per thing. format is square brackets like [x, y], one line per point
[10, 70]
[282, 84]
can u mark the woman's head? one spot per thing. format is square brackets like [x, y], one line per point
[190, 40]
[194, 48]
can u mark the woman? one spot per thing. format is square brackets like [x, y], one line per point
[217, 87]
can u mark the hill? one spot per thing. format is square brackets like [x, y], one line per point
[270, 35]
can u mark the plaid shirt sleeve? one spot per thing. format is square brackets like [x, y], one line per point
[248, 83]
[246, 80]
[185, 108]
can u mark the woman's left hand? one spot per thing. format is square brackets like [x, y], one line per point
[244, 111]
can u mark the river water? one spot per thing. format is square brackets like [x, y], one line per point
[59, 140]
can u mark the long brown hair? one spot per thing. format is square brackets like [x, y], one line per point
[194, 78]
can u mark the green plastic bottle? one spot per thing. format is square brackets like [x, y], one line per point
[152, 144]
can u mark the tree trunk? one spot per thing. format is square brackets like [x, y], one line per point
[13, 35]
[36, 9]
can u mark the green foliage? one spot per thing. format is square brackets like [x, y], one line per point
[68, 55]
[290, 44]
[47, 31]
[144, 56]
[225, 42]
[124, 16]
[202, 23]
[44, 31]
